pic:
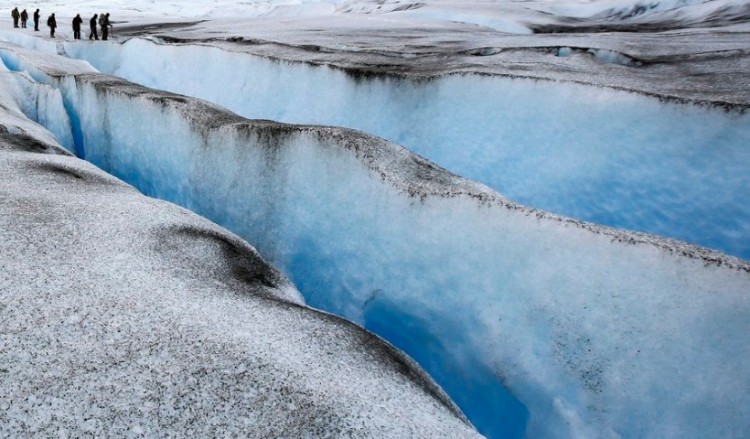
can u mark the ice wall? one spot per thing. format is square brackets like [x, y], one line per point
[608, 157]
[597, 333]
[22, 98]
[125, 316]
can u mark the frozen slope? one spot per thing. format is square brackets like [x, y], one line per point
[124, 316]
[613, 158]
[596, 332]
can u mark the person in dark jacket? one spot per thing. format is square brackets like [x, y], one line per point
[77, 27]
[36, 20]
[24, 18]
[14, 13]
[105, 26]
[52, 23]
[92, 25]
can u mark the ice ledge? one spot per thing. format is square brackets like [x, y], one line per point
[411, 174]
[566, 314]
[134, 316]
[710, 65]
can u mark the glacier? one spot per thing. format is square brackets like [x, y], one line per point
[535, 324]
[127, 316]
[642, 165]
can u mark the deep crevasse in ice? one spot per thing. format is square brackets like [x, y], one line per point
[612, 158]
[597, 333]
[125, 316]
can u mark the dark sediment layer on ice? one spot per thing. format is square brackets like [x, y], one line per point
[686, 64]
[123, 315]
[409, 173]
[556, 309]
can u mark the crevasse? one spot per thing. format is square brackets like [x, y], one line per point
[612, 158]
[592, 331]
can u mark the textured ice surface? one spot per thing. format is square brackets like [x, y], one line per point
[22, 100]
[596, 332]
[610, 158]
[613, 158]
[498, 15]
[124, 316]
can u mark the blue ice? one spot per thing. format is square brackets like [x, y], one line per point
[612, 158]
[536, 325]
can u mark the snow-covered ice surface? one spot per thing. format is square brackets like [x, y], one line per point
[533, 323]
[124, 316]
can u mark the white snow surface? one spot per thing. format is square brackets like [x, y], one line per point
[596, 332]
[503, 15]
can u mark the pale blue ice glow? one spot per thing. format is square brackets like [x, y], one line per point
[617, 159]
[593, 336]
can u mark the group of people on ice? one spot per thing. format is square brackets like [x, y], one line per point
[24, 17]
[102, 20]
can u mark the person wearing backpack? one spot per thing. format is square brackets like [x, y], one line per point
[105, 26]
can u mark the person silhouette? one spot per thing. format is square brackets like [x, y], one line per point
[77, 27]
[14, 13]
[52, 23]
[36, 20]
[105, 26]
[24, 18]
[92, 27]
